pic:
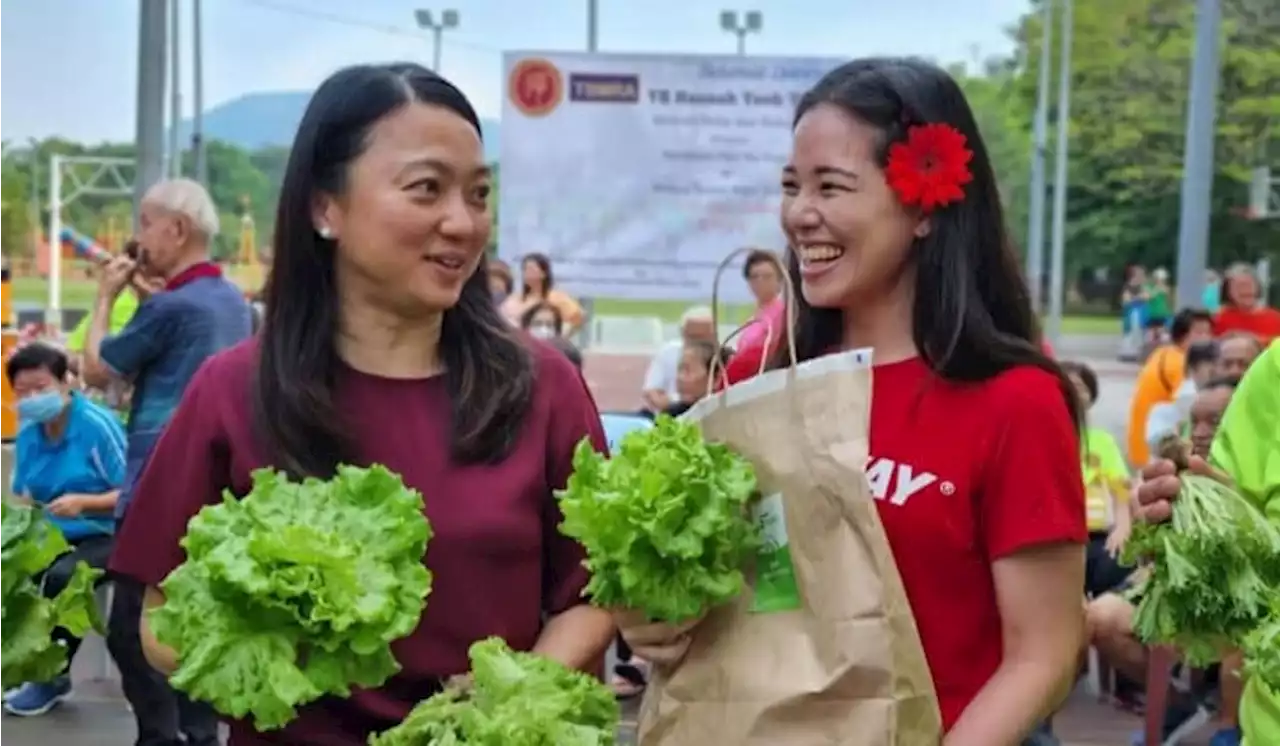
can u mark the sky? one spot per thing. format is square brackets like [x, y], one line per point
[69, 67]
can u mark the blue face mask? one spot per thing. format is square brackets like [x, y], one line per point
[41, 407]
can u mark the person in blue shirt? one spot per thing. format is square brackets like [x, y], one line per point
[197, 314]
[70, 459]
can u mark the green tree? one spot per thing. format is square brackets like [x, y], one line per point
[1131, 62]
[16, 213]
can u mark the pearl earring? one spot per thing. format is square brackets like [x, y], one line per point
[324, 232]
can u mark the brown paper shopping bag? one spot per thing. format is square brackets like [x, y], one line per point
[822, 648]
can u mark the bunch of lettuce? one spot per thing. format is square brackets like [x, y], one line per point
[1262, 647]
[1214, 568]
[665, 521]
[513, 699]
[295, 591]
[29, 543]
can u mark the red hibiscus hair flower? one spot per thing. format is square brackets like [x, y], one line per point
[929, 170]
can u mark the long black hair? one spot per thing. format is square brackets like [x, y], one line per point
[487, 369]
[543, 263]
[972, 315]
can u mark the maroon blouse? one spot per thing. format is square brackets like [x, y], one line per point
[497, 558]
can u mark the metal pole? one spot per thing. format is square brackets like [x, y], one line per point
[197, 95]
[742, 42]
[152, 23]
[593, 25]
[175, 92]
[1056, 279]
[1039, 154]
[1197, 168]
[53, 309]
[437, 34]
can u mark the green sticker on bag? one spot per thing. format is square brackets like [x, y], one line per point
[776, 588]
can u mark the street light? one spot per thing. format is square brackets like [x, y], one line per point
[1057, 268]
[752, 22]
[448, 20]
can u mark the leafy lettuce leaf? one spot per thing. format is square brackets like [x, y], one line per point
[295, 591]
[1262, 647]
[1214, 570]
[665, 521]
[515, 699]
[29, 543]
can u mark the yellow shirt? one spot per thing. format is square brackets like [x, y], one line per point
[1106, 477]
[1158, 382]
[121, 311]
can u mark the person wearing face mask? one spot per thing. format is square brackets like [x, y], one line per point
[543, 321]
[69, 459]
[500, 280]
[196, 314]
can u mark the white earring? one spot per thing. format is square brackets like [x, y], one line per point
[324, 232]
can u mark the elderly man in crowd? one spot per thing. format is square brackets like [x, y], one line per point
[173, 332]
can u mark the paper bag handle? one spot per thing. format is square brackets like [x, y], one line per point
[789, 318]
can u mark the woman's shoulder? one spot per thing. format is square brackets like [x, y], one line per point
[1026, 395]
[745, 363]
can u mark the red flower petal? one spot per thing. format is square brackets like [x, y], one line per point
[930, 168]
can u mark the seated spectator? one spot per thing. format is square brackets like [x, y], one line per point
[1162, 374]
[1169, 417]
[1111, 615]
[661, 380]
[1236, 352]
[697, 360]
[538, 286]
[500, 281]
[70, 460]
[1106, 483]
[543, 321]
[1244, 309]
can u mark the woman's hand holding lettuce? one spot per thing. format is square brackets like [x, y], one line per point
[511, 699]
[666, 526]
[30, 543]
[295, 591]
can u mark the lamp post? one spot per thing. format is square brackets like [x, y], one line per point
[1039, 152]
[448, 20]
[593, 25]
[1057, 278]
[751, 22]
[1197, 159]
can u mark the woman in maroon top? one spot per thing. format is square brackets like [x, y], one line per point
[382, 343]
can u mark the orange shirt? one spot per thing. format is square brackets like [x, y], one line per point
[1158, 381]
[1263, 323]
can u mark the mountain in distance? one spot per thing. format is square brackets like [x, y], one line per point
[262, 120]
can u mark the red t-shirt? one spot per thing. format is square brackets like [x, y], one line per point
[497, 557]
[964, 474]
[1263, 323]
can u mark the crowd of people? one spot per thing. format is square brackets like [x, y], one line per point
[388, 337]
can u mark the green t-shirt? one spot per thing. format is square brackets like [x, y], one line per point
[1247, 447]
[1157, 303]
[121, 312]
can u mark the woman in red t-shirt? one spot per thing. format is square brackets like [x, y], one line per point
[381, 343]
[1243, 308]
[974, 460]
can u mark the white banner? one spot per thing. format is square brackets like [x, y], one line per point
[637, 174]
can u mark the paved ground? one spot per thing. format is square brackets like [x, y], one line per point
[96, 715]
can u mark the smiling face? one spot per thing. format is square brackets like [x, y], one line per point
[852, 235]
[413, 220]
